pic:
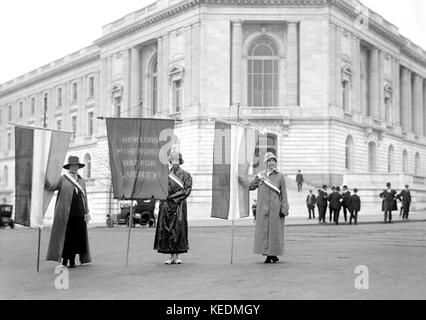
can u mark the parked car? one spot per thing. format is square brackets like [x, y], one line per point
[6, 216]
[143, 214]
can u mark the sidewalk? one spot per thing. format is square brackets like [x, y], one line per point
[295, 221]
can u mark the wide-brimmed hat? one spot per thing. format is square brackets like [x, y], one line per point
[269, 156]
[174, 156]
[73, 160]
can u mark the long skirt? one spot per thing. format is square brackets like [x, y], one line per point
[75, 238]
[171, 235]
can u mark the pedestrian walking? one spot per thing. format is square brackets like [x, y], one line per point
[389, 202]
[346, 197]
[69, 235]
[311, 202]
[273, 207]
[254, 209]
[405, 197]
[322, 203]
[354, 207]
[171, 234]
[299, 180]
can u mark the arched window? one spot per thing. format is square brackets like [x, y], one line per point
[88, 167]
[372, 157]
[262, 84]
[349, 159]
[405, 161]
[6, 177]
[391, 159]
[153, 85]
[417, 165]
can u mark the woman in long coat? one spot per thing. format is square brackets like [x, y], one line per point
[69, 231]
[171, 235]
[272, 208]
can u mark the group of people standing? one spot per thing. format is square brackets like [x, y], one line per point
[336, 200]
[389, 202]
[69, 236]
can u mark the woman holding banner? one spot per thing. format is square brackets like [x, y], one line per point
[69, 231]
[171, 236]
[272, 208]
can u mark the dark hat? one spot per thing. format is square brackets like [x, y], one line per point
[338, 188]
[407, 186]
[355, 190]
[388, 184]
[73, 160]
[174, 156]
[324, 186]
[345, 187]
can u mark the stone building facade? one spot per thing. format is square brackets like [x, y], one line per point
[340, 91]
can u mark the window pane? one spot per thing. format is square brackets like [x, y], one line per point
[257, 66]
[268, 91]
[267, 66]
[257, 90]
[250, 90]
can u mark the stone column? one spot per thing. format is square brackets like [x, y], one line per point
[374, 94]
[196, 63]
[292, 64]
[406, 101]
[160, 71]
[125, 105]
[187, 99]
[356, 79]
[424, 107]
[418, 105]
[396, 92]
[135, 96]
[164, 76]
[237, 43]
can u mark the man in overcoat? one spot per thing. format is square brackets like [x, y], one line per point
[389, 202]
[322, 201]
[272, 208]
[405, 197]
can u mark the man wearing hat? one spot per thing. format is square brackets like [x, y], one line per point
[272, 208]
[171, 235]
[389, 202]
[69, 231]
[346, 197]
[405, 197]
[322, 201]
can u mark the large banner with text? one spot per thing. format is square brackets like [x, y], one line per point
[138, 150]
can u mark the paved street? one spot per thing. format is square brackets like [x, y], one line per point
[320, 263]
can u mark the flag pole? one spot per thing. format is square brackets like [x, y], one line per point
[128, 237]
[38, 250]
[233, 211]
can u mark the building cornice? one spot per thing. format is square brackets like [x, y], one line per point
[343, 6]
[51, 73]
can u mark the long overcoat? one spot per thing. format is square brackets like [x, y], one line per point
[171, 234]
[62, 211]
[269, 230]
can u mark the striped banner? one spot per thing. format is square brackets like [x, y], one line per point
[233, 154]
[39, 157]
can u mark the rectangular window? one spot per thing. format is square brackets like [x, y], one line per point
[90, 124]
[91, 87]
[74, 92]
[9, 113]
[9, 141]
[32, 106]
[117, 106]
[59, 124]
[74, 126]
[59, 97]
[21, 109]
[177, 96]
